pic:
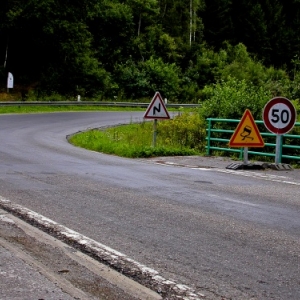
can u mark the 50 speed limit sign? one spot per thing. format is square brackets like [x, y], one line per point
[279, 115]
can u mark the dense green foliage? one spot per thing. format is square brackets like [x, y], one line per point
[130, 49]
[183, 135]
[229, 99]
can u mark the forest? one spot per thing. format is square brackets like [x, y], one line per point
[187, 50]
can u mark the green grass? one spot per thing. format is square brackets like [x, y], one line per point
[135, 140]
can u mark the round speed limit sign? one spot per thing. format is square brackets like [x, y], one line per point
[279, 115]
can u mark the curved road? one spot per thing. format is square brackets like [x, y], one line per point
[226, 236]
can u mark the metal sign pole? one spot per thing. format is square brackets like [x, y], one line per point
[154, 132]
[278, 149]
[246, 155]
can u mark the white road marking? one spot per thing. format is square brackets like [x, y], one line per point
[264, 176]
[233, 200]
[269, 177]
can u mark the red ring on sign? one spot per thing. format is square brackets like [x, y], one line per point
[267, 108]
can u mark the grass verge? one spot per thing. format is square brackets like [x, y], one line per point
[174, 137]
[14, 109]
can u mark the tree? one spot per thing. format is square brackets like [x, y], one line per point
[218, 23]
[195, 6]
[112, 30]
[143, 9]
[180, 19]
[260, 25]
[144, 78]
[50, 43]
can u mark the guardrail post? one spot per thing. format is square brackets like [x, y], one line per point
[208, 137]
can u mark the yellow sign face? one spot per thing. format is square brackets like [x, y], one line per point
[246, 134]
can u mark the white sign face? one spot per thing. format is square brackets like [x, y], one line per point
[157, 108]
[279, 115]
[10, 81]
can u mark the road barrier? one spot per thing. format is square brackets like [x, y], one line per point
[90, 103]
[218, 139]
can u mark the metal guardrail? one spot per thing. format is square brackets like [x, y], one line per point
[212, 141]
[90, 103]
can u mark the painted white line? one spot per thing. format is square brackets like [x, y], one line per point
[233, 200]
[269, 177]
[110, 256]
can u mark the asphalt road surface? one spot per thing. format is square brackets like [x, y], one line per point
[225, 235]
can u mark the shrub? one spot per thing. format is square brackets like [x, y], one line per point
[185, 130]
[229, 99]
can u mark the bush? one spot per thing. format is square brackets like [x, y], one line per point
[185, 130]
[229, 99]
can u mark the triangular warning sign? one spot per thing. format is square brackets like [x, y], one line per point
[157, 108]
[246, 134]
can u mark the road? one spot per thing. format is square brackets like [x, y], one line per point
[225, 236]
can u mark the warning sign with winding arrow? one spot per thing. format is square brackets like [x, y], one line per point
[157, 108]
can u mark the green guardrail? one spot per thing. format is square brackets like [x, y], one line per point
[221, 143]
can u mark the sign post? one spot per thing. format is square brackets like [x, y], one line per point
[156, 110]
[279, 117]
[246, 135]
